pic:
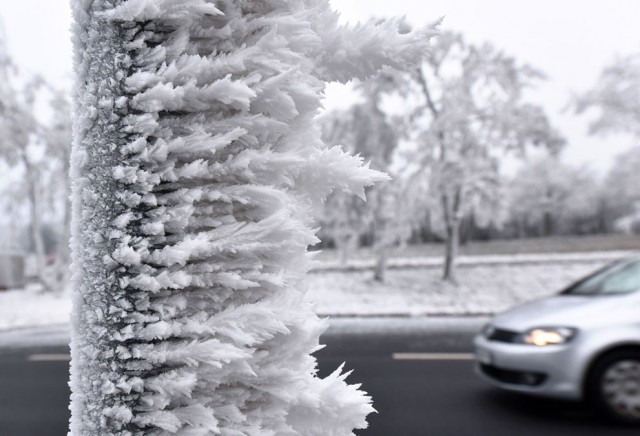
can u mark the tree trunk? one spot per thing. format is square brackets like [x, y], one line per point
[467, 229]
[36, 226]
[451, 205]
[63, 259]
[522, 227]
[345, 248]
[451, 251]
[548, 224]
[380, 273]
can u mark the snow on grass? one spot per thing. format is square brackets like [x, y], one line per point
[482, 289]
[353, 264]
[539, 245]
[22, 308]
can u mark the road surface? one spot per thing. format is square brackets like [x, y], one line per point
[421, 381]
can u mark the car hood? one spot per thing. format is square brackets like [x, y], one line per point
[567, 310]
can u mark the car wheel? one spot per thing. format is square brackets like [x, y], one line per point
[613, 386]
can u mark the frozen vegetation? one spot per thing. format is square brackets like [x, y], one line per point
[455, 118]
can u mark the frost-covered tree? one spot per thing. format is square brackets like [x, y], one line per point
[57, 153]
[196, 165]
[22, 145]
[615, 98]
[366, 129]
[18, 134]
[620, 192]
[629, 223]
[547, 197]
[471, 112]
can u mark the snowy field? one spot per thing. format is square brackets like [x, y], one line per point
[30, 308]
[487, 284]
[368, 263]
[483, 289]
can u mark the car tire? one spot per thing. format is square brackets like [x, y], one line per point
[613, 386]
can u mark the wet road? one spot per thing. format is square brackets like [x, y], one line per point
[433, 392]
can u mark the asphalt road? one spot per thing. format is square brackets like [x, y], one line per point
[437, 394]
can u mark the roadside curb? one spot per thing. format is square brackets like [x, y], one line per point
[42, 336]
[406, 315]
[423, 325]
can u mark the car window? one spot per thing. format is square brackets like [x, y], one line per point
[618, 278]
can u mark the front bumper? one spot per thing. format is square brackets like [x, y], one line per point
[546, 371]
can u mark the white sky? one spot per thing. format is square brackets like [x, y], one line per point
[570, 40]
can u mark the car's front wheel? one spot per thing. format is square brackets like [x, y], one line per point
[613, 385]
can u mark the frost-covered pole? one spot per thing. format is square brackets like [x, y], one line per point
[196, 164]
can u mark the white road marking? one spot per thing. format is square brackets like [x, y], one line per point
[395, 356]
[49, 358]
[432, 356]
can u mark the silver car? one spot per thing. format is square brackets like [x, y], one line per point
[581, 344]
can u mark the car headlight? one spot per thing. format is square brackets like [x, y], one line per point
[542, 336]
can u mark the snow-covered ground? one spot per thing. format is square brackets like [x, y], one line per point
[487, 285]
[355, 263]
[482, 289]
[23, 308]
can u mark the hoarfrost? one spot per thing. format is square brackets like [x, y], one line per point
[196, 165]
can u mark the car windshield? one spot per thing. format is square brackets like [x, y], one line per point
[617, 278]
